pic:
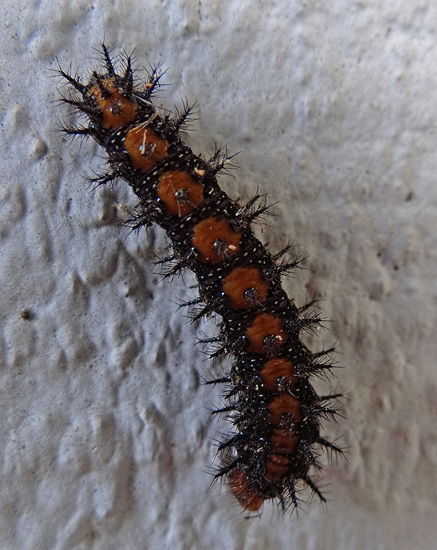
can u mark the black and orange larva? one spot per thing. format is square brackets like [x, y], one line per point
[275, 410]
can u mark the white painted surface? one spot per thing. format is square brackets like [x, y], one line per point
[105, 432]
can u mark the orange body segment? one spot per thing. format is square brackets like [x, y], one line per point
[278, 368]
[215, 240]
[285, 407]
[245, 287]
[266, 332]
[284, 441]
[117, 109]
[145, 147]
[277, 467]
[179, 192]
[248, 497]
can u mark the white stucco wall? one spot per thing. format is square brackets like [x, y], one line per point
[105, 432]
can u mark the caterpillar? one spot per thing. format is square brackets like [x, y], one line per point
[276, 413]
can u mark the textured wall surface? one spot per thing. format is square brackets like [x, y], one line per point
[105, 431]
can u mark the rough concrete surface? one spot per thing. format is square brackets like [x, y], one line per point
[105, 434]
